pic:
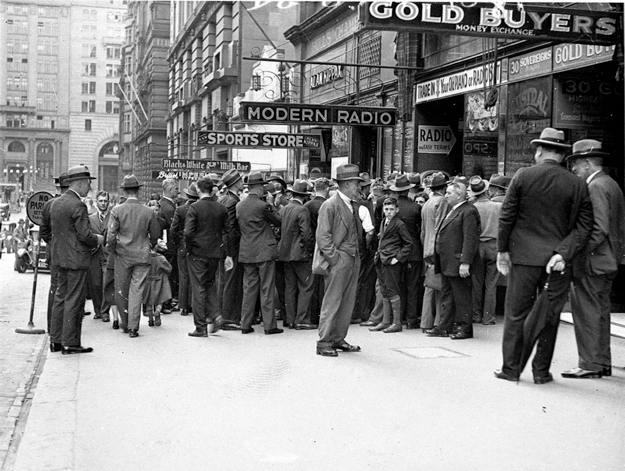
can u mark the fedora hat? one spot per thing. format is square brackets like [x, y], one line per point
[460, 179]
[191, 192]
[130, 181]
[551, 137]
[300, 187]
[277, 178]
[414, 177]
[79, 172]
[401, 183]
[367, 179]
[587, 148]
[438, 179]
[477, 185]
[231, 177]
[348, 172]
[255, 178]
[500, 181]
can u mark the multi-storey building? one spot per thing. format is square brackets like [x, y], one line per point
[58, 105]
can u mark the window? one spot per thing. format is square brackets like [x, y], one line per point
[126, 122]
[91, 106]
[113, 52]
[112, 107]
[88, 88]
[111, 88]
[112, 70]
[89, 68]
[89, 50]
[87, 125]
[84, 106]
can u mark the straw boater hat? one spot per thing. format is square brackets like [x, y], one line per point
[477, 185]
[231, 177]
[79, 172]
[551, 137]
[500, 181]
[130, 182]
[401, 183]
[348, 172]
[587, 148]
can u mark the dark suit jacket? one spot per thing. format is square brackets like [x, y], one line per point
[547, 210]
[336, 230]
[313, 207]
[606, 246]
[258, 242]
[99, 227]
[133, 229]
[178, 223]
[410, 214]
[458, 239]
[394, 241]
[72, 238]
[205, 229]
[298, 241]
[166, 213]
[233, 232]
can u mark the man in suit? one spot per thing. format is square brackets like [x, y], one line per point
[177, 233]
[204, 241]
[596, 266]
[232, 292]
[99, 221]
[338, 236]
[133, 229]
[168, 204]
[295, 250]
[72, 242]
[258, 252]
[545, 220]
[457, 244]
[322, 190]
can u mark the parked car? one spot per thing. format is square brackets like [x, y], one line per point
[26, 258]
[5, 211]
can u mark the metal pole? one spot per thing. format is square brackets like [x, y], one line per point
[30, 329]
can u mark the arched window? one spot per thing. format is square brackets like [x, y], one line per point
[45, 160]
[16, 146]
[108, 172]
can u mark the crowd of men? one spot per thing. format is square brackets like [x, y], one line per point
[415, 251]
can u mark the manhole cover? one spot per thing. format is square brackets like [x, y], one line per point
[429, 352]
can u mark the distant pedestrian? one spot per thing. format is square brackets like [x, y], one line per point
[168, 203]
[158, 289]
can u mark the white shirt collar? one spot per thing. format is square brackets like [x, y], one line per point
[346, 200]
[590, 177]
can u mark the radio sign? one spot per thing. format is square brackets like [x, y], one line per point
[435, 140]
[272, 140]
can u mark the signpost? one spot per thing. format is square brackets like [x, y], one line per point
[35, 204]
[435, 139]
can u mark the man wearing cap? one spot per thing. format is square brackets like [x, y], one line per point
[296, 247]
[72, 242]
[484, 272]
[95, 276]
[258, 252]
[133, 229]
[168, 204]
[498, 184]
[545, 220]
[177, 232]
[596, 266]
[232, 293]
[338, 237]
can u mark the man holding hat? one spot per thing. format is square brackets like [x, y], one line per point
[296, 247]
[545, 221]
[72, 242]
[338, 236]
[596, 266]
[133, 230]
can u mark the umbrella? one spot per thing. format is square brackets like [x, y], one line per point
[540, 315]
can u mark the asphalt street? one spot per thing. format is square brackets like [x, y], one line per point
[167, 401]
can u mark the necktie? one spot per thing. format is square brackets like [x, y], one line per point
[101, 217]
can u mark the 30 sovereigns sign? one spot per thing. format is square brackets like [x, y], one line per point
[297, 113]
[506, 20]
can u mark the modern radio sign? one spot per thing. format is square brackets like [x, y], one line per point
[506, 20]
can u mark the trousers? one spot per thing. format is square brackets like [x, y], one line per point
[258, 277]
[203, 274]
[130, 285]
[69, 306]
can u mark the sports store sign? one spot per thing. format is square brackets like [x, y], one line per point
[507, 20]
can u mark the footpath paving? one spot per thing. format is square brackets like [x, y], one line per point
[166, 401]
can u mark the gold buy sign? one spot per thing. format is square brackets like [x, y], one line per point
[507, 20]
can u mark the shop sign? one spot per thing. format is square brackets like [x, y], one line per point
[455, 84]
[582, 103]
[533, 64]
[573, 56]
[435, 139]
[296, 113]
[35, 204]
[333, 35]
[326, 76]
[506, 20]
[188, 169]
[271, 140]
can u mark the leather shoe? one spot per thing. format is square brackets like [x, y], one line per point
[579, 373]
[79, 349]
[230, 326]
[216, 325]
[368, 324]
[391, 329]
[97, 316]
[436, 332]
[198, 333]
[327, 352]
[355, 321]
[184, 312]
[247, 331]
[106, 319]
[133, 333]
[411, 326]
[86, 313]
[150, 323]
[548, 378]
[347, 347]
[115, 325]
[124, 330]
[508, 377]
[607, 371]
[275, 330]
[461, 335]
[306, 327]
[379, 327]
[166, 310]
[56, 347]
[286, 325]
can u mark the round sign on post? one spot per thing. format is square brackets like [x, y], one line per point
[34, 206]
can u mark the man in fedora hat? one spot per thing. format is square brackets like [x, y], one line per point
[497, 186]
[296, 247]
[258, 252]
[232, 280]
[596, 266]
[72, 242]
[177, 232]
[338, 236]
[545, 220]
[133, 230]
[484, 272]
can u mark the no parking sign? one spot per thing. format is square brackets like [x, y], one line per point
[35, 204]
